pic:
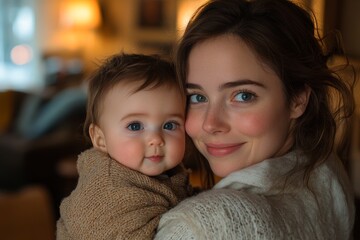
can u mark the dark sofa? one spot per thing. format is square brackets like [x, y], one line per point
[43, 133]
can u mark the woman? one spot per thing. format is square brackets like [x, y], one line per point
[262, 115]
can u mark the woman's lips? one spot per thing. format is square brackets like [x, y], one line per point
[220, 150]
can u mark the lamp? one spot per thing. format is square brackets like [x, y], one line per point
[186, 9]
[80, 14]
[75, 35]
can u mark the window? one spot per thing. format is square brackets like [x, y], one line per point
[20, 68]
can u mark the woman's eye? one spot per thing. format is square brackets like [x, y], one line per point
[135, 126]
[244, 97]
[170, 126]
[197, 98]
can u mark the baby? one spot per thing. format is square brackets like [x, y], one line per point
[133, 173]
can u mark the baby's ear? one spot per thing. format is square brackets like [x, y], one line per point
[97, 137]
[299, 104]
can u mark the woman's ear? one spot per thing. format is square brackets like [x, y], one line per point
[97, 137]
[299, 104]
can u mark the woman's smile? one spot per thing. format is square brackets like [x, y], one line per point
[220, 150]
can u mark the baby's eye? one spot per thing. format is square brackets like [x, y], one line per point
[135, 126]
[171, 126]
[197, 98]
[244, 97]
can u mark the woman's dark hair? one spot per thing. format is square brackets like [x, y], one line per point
[284, 36]
[151, 71]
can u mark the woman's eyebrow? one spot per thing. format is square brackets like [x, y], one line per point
[239, 83]
[228, 84]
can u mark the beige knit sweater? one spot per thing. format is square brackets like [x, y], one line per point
[252, 204]
[115, 202]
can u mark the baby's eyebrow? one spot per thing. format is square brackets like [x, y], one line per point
[178, 116]
[133, 115]
[192, 86]
[139, 115]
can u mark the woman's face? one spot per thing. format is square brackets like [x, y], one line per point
[238, 115]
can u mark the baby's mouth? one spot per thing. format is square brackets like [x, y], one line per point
[155, 158]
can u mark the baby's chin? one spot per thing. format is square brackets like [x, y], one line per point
[153, 172]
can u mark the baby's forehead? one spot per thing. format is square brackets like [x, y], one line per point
[128, 99]
[132, 89]
[133, 86]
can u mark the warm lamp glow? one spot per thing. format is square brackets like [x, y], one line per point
[186, 9]
[82, 14]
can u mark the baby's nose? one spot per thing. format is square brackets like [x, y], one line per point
[156, 139]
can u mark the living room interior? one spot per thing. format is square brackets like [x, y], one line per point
[48, 49]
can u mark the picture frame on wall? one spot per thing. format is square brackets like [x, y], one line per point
[151, 14]
[155, 25]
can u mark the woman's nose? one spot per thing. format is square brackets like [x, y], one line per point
[156, 139]
[215, 120]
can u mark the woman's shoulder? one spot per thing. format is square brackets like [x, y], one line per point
[224, 196]
[217, 213]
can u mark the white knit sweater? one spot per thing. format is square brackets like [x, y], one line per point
[246, 205]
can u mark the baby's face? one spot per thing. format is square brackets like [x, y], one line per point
[144, 130]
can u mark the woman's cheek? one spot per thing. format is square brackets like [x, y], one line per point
[252, 124]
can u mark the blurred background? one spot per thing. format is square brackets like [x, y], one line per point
[47, 50]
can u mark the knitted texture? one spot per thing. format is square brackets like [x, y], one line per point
[112, 201]
[253, 204]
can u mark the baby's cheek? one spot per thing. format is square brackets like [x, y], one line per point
[178, 149]
[128, 154]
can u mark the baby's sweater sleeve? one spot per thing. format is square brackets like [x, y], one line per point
[110, 217]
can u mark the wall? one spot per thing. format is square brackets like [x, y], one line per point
[92, 45]
[350, 27]
[118, 32]
[355, 148]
